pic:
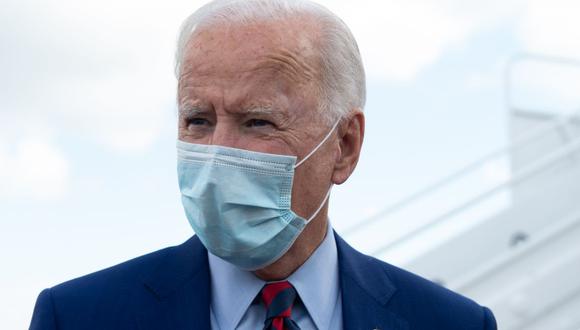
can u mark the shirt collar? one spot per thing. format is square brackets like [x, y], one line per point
[316, 281]
[232, 291]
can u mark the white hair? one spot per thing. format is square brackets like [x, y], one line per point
[342, 86]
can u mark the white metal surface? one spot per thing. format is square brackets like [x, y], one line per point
[514, 244]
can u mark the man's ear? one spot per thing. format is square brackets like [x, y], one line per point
[351, 133]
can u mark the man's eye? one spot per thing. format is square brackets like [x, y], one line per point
[258, 123]
[198, 121]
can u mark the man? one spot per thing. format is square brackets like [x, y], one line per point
[270, 94]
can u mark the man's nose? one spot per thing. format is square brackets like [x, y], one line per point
[225, 134]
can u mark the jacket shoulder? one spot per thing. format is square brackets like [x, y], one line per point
[427, 303]
[106, 297]
[117, 278]
[415, 302]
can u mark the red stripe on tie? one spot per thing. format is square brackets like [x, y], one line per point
[278, 299]
[278, 323]
[271, 290]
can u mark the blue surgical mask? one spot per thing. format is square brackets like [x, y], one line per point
[238, 202]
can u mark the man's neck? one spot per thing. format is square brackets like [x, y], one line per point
[301, 250]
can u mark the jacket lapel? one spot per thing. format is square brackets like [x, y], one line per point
[179, 291]
[366, 290]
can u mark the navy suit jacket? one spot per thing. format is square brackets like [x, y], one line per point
[170, 290]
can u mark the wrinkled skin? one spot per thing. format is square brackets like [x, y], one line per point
[254, 87]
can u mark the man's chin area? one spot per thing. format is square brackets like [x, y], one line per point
[282, 268]
[298, 254]
[285, 266]
[276, 271]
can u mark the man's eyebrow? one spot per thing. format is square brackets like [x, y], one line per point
[190, 110]
[259, 110]
[265, 110]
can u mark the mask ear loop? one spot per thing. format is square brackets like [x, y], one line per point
[319, 145]
[306, 158]
[321, 205]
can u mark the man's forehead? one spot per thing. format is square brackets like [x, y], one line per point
[284, 47]
[254, 68]
[306, 26]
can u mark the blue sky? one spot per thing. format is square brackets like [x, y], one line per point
[87, 119]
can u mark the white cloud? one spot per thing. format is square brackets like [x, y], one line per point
[100, 69]
[551, 27]
[548, 27]
[104, 68]
[34, 168]
[123, 112]
[400, 38]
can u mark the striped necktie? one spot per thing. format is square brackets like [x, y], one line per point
[279, 298]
